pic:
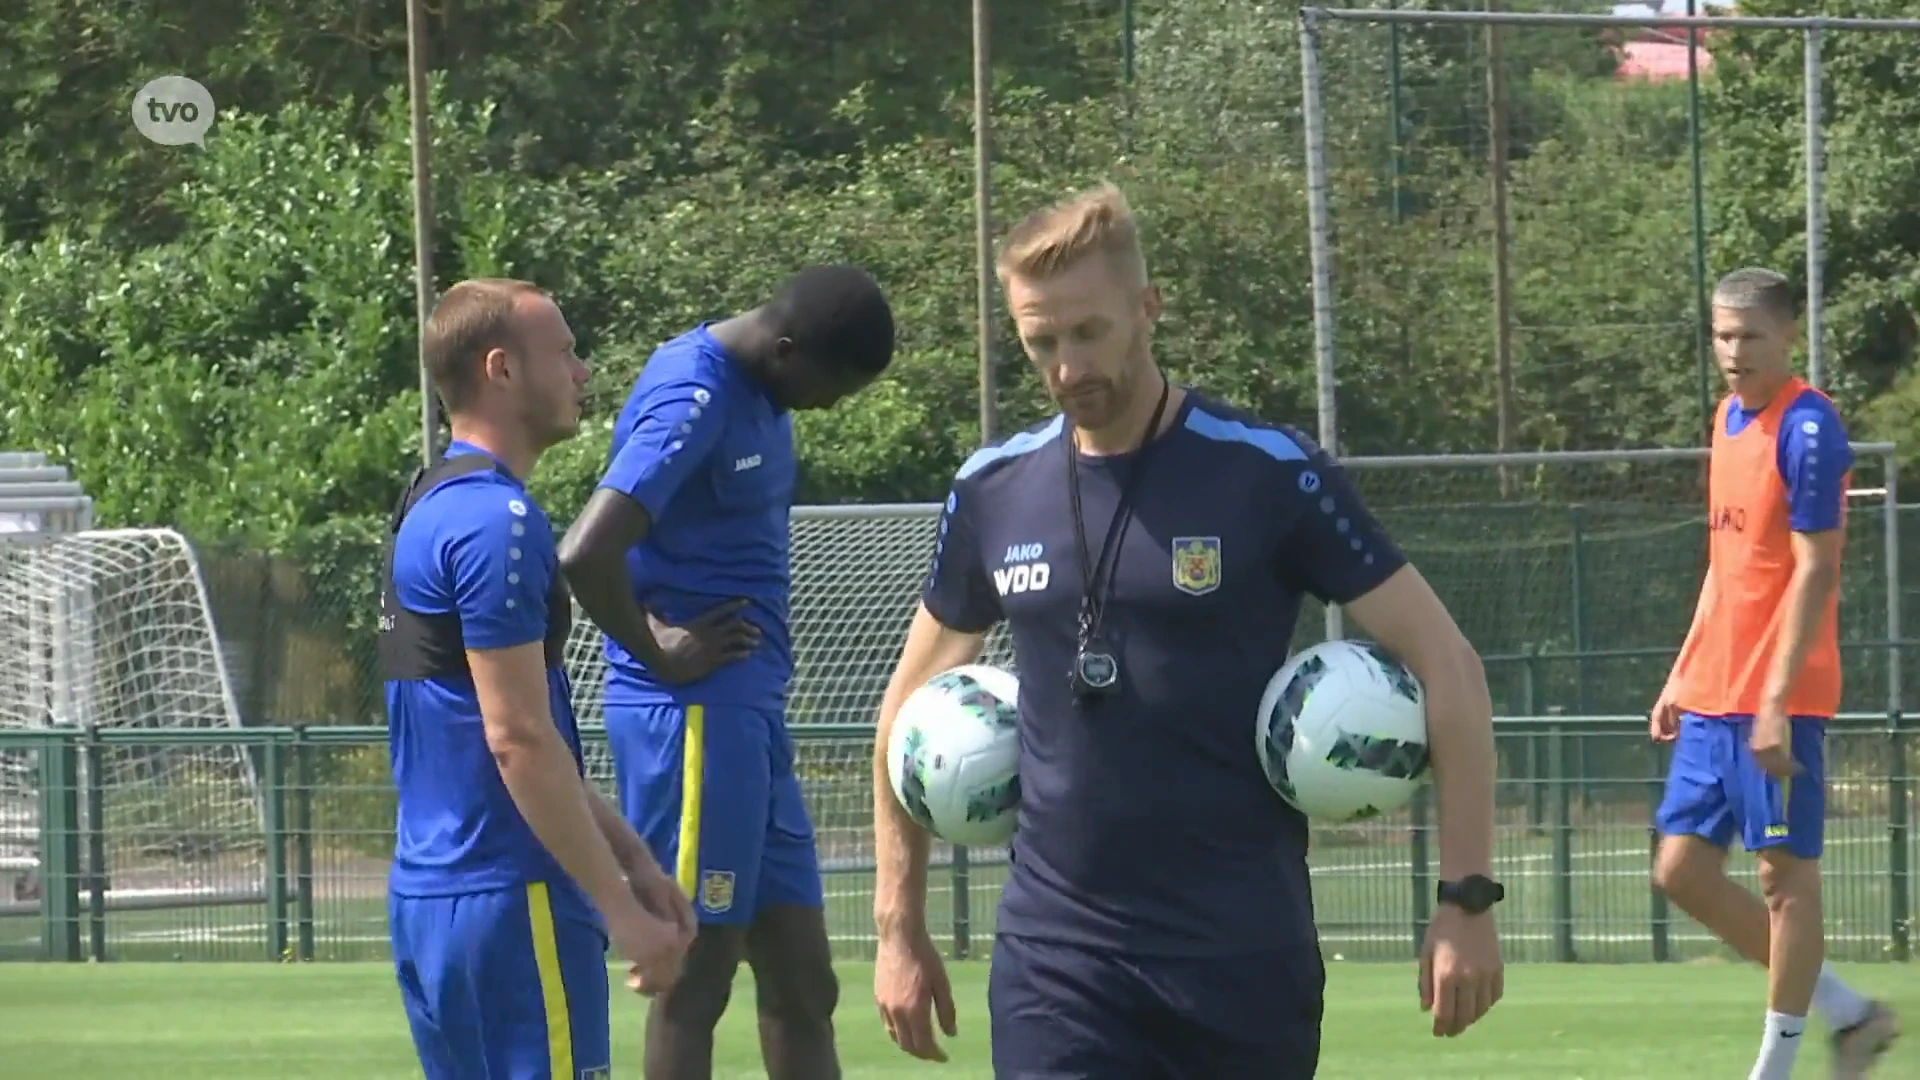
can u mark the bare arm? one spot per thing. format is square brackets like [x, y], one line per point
[631, 852]
[900, 846]
[593, 556]
[1403, 615]
[539, 770]
[1816, 575]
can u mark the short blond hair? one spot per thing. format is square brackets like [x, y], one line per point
[1097, 221]
[473, 318]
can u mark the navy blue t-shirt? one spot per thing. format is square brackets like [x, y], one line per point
[1146, 825]
[709, 455]
[476, 546]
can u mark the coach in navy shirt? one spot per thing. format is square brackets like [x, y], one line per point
[1149, 550]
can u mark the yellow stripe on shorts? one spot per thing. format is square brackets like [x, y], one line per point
[693, 773]
[553, 988]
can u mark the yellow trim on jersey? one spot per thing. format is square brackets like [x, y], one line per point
[693, 773]
[1786, 800]
[553, 987]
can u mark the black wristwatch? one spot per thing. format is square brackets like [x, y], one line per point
[1473, 894]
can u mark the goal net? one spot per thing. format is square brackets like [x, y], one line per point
[111, 629]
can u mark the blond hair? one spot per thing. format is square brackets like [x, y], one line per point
[472, 319]
[1096, 221]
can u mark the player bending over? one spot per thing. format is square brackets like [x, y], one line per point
[1759, 675]
[510, 872]
[1158, 920]
[681, 558]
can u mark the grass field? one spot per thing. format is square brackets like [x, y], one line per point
[256, 1021]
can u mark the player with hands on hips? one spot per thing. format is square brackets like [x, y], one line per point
[511, 873]
[1158, 919]
[1758, 677]
[681, 557]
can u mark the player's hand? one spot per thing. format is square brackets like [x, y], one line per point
[1663, 724]
[662, 896]
[1770, 742]
[910, 986]
[693, 650]
[1461, 973]
[652, 946]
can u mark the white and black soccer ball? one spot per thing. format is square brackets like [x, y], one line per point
[1342, 732]
[953, 756]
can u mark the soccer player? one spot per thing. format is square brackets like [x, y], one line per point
[510, 872]
[1758, 676]
[1158, 920]
[681, 558]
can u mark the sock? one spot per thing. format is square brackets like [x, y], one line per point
[1779, 1047]
[1839, 1003]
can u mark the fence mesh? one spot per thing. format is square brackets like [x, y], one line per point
[1573, 848]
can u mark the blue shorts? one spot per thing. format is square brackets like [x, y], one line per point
[1062, 1012]
[1715, 788]
[711, 789]
[510, 983]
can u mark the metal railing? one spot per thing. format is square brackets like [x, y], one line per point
[1575, 840]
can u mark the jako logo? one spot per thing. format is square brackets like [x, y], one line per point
[745, 463]
[1026, 577]
[1024, 552]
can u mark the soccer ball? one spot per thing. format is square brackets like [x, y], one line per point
[953, 756]
[1342, 732]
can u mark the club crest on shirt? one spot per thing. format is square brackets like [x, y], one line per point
[1196, 564]
[716, 890]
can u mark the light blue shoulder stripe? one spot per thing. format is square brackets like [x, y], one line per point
[1276, 444]
[1024, 443]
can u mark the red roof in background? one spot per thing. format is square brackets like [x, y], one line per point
[1658, 53]
[1657, 60]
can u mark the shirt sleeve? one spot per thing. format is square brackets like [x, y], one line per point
[1815, 459]
[957, 590]
[675, 429]
[501, 559]
[1332, 546]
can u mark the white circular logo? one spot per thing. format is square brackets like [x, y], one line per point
[701, 397]
[173, 110]
[517, 508]
[1811, 427]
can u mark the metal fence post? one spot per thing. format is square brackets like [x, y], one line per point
[1420, 859]
[303, 842]
[97, 872]
[59, 847]
[1562, 844]
[1899, 795]
[962, 904]
[276, 829]
[1659, 915]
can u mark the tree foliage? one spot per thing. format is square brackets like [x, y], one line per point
[224, 339]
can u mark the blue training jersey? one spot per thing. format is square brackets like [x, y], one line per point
[1813, 455]
[476, 546]
[1146, 826]
[709, 455]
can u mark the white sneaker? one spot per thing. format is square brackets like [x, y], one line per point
[1855, 1049]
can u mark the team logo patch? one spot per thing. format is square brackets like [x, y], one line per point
[716, 890]
[1196, 564]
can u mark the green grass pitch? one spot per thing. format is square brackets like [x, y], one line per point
[250, 1020]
